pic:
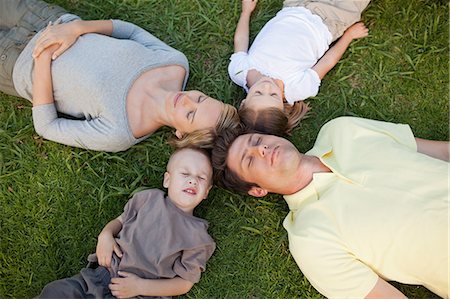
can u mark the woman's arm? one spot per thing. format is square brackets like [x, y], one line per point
[241, 35]
[42, 78]
[65, 35]
[131, 285]
[334, 54]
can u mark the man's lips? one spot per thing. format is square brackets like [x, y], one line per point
[176, 99]
[191, 191]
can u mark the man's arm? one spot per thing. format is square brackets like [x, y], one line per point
[241, 36]
[384, 290]
[131, 285]
[436, 149]
[334, 54]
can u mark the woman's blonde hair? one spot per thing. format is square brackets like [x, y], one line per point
[229, 119]
[273, 120]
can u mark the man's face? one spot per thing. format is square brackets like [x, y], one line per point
[269, 161]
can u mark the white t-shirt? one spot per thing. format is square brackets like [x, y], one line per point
[286, 48]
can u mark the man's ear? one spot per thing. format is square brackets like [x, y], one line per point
[178, 134]
[166, 180]
[257, 192]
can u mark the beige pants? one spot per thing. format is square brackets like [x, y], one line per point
[337, 15]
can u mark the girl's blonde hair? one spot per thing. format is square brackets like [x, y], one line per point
[229, 119]
[273, 120]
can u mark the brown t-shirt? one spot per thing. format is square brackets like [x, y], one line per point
[158, 240]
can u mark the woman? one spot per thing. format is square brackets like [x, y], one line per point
[101, 85]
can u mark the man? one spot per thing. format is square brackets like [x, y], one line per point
[368, 203]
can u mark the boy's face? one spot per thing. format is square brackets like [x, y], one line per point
[188, 178]
[264, 93]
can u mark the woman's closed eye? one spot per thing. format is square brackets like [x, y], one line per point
[190, 115]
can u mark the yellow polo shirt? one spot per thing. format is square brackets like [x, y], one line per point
[383, 211]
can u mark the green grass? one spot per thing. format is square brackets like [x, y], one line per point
[55, 199]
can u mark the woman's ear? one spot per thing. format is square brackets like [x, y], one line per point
[166, 180]
[178, 134]
[257, 192]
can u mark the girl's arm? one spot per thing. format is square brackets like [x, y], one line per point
[131, 285]
[334, 54]
[241, 35]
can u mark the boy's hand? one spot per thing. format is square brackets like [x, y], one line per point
[63, 35]
[248, 6]
[125, 286]
[357, 30]
[106, 245]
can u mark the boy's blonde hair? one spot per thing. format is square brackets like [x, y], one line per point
[273, 120]
[229, 119]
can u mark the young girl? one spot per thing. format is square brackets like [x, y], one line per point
[289, 57]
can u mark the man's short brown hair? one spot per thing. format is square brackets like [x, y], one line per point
[223, 176]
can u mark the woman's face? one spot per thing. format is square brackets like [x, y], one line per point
[193, 110]
[264, 93]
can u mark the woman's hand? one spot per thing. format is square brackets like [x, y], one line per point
[126, 286]
[63, 35]
[106, 245]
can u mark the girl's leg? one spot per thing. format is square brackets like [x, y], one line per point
[337, 15]
[20, 20]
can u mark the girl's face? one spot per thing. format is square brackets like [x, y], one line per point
[264, 93]
[193, 110]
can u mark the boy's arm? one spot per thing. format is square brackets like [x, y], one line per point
[242, 33]
[334, 54]
[106, 243]
[65, 35]
[131, 285]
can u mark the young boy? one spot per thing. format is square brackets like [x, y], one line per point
[289, 57]
[156, 247]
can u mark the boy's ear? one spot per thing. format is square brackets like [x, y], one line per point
[178, 134]
[166, 180]
[207, 192]
[242, 103]
[257, 192]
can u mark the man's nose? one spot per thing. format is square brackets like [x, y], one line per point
[260, 150]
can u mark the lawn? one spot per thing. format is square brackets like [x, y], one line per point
[55, 199]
